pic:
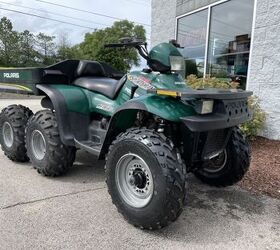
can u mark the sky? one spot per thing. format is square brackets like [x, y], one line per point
[138, 11]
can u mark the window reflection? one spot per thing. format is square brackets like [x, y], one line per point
[192, 31]
[229, 40]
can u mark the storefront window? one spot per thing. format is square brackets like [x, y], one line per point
[230, 39]
[192, 32]
[226, 31]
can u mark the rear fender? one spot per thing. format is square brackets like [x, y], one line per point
[71, 124]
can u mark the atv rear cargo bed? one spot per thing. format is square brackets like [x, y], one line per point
[24, 80]
[20, 80]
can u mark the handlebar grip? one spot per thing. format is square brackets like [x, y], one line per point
[114, 45]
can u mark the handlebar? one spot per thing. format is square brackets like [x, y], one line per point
[129, 44]
[114, 45]
[141, 46]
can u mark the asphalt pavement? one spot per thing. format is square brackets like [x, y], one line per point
[75, 212]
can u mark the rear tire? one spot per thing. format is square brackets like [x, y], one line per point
[13, 120]
[151, 191]
[234, 164]
[46, 151]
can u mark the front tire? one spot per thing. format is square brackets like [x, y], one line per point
[230, 166]
[145, 178]
[44, 147]
[13, 120]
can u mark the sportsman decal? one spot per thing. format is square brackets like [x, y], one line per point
[128, 91]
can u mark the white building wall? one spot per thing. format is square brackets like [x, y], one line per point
[163, 21]
[264, 74]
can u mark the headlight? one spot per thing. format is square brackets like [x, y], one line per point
[207, 107]
[178, 65]
[204, 106]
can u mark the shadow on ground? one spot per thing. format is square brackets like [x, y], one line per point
[76, 210]
[209, 211]
[86, 169]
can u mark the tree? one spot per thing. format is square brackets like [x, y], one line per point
[26, 49]
[92, 48]
[9, 43]
[65, 50]
[46, 48]
[28, 56]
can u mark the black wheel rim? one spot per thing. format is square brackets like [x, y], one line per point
[217, 163]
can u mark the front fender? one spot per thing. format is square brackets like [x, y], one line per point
[168, 108]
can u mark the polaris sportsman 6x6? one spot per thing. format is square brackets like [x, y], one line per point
[149, 125]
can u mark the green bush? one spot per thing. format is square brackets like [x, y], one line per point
[256, 124]
[207, 82]
[250, 128]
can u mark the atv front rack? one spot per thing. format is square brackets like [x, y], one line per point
[215, 94]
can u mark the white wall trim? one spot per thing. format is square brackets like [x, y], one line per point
[202, 8]
[207, 41]
[176, 27]
[252, 44]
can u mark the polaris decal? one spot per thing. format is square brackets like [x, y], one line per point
[11, 75]
[141, 82]
[105, 107]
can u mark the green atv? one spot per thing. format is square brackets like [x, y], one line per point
[151, 128]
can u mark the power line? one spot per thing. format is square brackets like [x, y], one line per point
[60, 15]
[86, 11]
[55, 13]
[48, 18]
[137, 2]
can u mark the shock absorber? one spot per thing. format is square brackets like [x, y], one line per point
[161, 126]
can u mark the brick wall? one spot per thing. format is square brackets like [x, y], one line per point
[264, 77]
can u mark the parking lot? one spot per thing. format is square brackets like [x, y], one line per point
[75, 212]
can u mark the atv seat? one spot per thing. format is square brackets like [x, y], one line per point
[93, 76]
[103, 85]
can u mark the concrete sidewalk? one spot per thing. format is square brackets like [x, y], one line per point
[75, 212]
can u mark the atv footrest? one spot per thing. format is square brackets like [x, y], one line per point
[89, 146]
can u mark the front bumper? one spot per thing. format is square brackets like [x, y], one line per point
[200, 123]
[226, 114]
